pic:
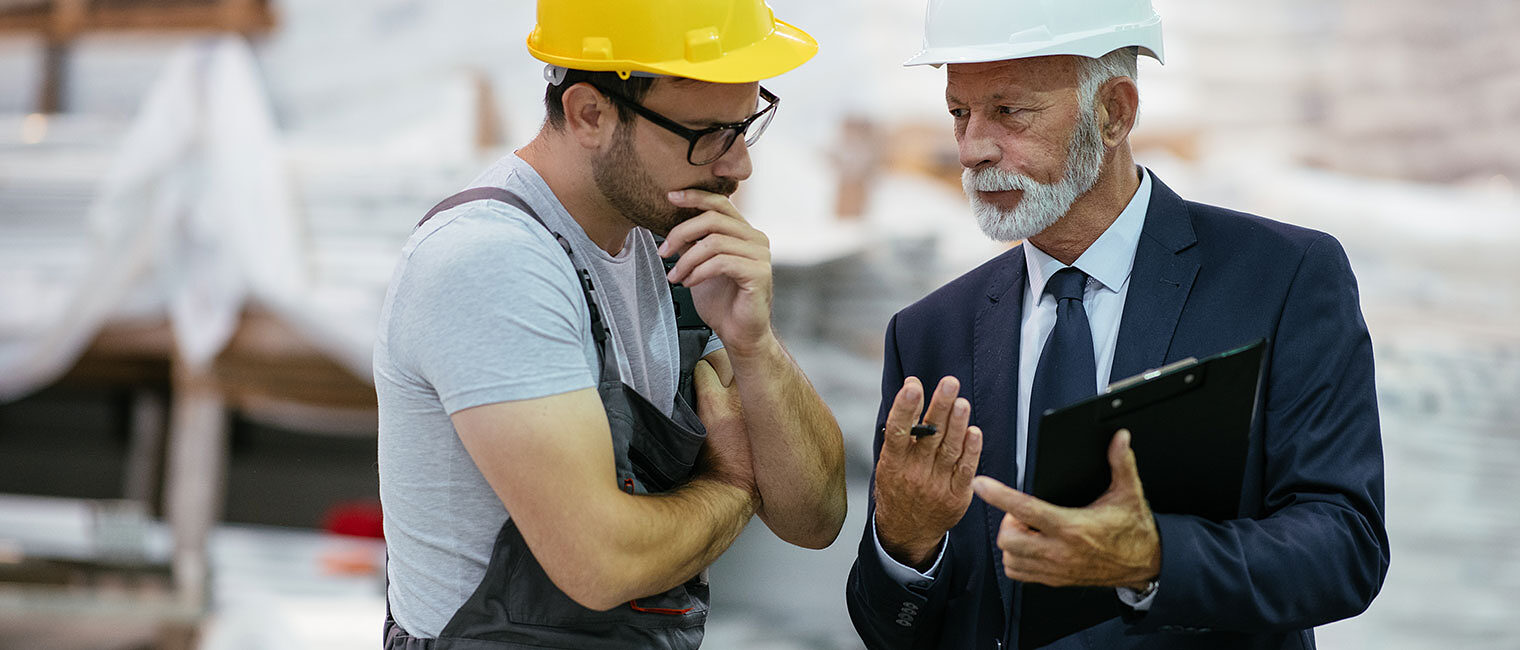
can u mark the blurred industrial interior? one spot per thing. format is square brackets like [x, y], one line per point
[201, 202]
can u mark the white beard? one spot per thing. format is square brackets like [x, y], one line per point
[1041, 204]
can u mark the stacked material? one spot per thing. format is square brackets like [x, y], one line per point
[50, 169]
[1405, 89]
[1424, 90]
[1248, 71]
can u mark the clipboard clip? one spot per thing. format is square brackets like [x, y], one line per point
[1150, 374]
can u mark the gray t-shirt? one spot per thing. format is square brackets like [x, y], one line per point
[484, 307]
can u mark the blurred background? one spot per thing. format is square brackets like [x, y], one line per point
[201, 202]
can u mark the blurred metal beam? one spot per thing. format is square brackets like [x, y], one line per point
[62, 21]
[242, 16]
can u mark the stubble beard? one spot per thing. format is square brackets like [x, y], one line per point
[628, 186]
[1041, 204]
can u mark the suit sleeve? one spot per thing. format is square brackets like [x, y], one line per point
[888, 614]
[1318, 550]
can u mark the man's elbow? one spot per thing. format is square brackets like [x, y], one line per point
[1366, 583]
[819, 531]
[590, 581]
[816, 542]
[594, 598]
[597, 601]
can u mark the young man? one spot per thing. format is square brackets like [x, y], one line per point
[1116, 275]
[545, 476]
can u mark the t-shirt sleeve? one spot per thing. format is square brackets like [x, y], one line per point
[488, 310]
[713, 345]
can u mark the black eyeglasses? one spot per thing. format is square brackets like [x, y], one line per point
[709, 144]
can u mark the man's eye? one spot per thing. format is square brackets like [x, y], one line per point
[1008, 110]
[959, 113]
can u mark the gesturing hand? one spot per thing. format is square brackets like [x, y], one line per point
[923, 485]
[1112, 542]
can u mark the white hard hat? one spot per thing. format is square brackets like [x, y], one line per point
[973, 31]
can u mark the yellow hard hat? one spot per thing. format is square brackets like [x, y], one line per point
[723, 41]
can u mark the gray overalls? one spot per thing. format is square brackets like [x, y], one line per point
[516, 605]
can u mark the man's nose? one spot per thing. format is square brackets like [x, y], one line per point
[978, 144]
[735, 162]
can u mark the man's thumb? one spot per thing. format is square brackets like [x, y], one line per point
[1125, 474]
[703, 374]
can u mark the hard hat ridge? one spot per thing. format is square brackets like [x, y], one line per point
[723, 41]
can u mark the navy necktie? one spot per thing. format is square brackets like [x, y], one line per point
[1067, 370]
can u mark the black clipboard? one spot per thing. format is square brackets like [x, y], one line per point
[1190, 424]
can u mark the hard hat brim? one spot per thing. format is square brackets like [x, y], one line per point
[1088, 45]
[784, 49]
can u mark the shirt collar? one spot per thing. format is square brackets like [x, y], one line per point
[1109, 259]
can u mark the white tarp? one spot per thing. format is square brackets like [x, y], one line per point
[196, 212]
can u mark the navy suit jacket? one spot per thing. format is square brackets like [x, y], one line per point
[1310, 546]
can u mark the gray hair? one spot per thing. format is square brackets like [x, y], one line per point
[1123, 62]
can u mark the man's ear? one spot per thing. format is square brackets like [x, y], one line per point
[1118, 103]
[590, 118]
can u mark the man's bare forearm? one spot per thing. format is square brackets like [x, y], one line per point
[797, 446]
[551, 462]
[651, 543]
[682, 532]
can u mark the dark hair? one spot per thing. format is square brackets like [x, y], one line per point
[634, 88]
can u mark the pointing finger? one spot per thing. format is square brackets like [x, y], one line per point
[994, 492]
[1034, 512]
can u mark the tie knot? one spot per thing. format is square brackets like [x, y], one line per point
[1067, 283]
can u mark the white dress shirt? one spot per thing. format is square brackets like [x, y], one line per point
[1107, 262]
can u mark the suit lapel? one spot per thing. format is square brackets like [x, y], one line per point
[1166, 263]
[995, 391]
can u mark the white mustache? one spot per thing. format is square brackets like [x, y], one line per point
[992, 179]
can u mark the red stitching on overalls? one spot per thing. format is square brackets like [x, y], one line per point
[658, 610]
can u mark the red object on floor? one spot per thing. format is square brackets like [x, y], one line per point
[356, 519]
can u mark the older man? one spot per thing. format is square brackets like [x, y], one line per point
[1116, 274]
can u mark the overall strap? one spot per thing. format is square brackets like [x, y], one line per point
[599, 330]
